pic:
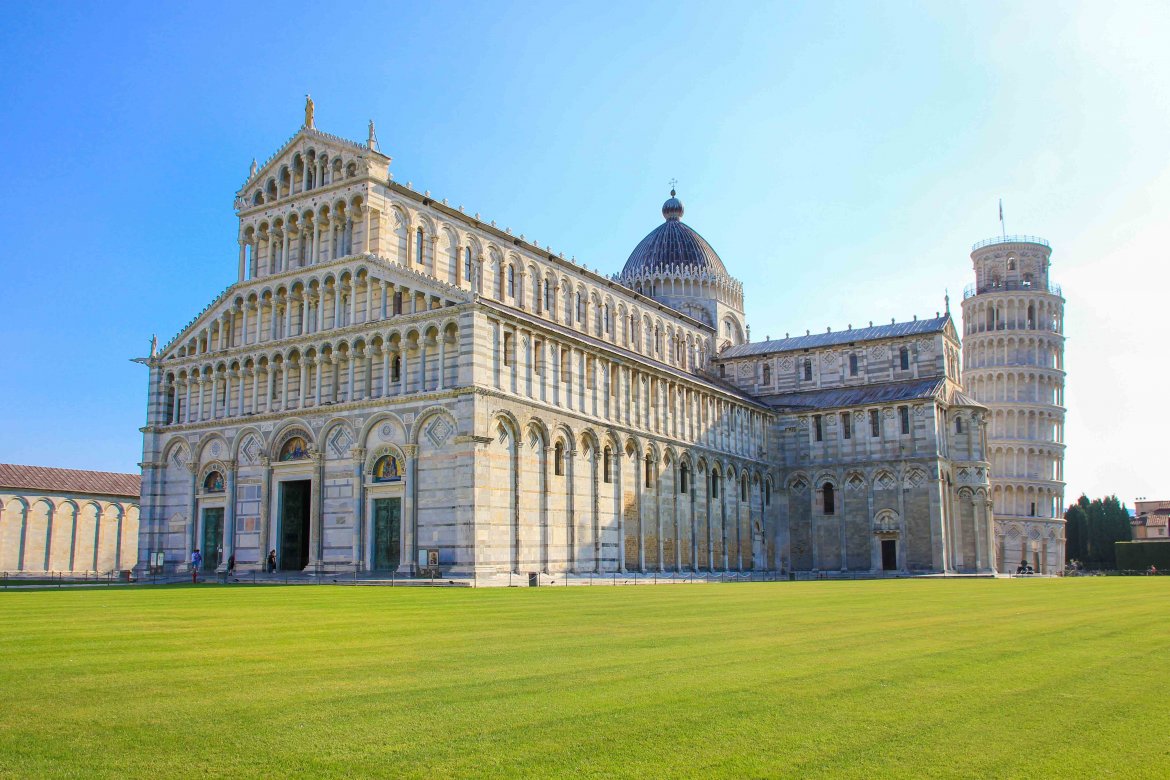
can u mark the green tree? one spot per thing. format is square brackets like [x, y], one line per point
[1091, 528]
[1076, 529]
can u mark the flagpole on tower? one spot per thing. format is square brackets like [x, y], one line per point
[1002, 228]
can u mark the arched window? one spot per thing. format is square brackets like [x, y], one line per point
[853, 365]
[958, 423]
[213, 482]
[548, 300]
[1011, 263]
[767, 494]
[467, 265]
[418, 248]
[743, 488]
[605, 317]
[559, 459]
[904, 358]
[714, 484]
[580, 308]
[607, 465]
[829, 500]
[294, 449]
[767, 375]
[649, 480]
[387, 469]
[511, 282]
[684, 478]
[808, 369]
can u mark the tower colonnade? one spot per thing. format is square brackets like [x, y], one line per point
[1013, 362]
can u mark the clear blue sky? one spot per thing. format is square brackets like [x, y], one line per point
[841, 158]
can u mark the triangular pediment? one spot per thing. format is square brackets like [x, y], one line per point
[309, 144]
[314, 277]
[949, 328]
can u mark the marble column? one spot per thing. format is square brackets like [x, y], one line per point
[229, 516]
[316, 503]
[410, 512]
[359, 503]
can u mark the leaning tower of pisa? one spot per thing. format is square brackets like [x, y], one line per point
[1013, 363]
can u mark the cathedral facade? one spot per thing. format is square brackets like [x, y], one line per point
[393, 384]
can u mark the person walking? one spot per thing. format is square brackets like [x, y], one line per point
[272, 561]
[196, 562]
[231, 569]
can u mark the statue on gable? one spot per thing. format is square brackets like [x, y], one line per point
[253, 169]
[308, 110]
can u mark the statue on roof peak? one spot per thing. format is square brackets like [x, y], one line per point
[308, 110]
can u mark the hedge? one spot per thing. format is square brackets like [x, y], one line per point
[1134, 556]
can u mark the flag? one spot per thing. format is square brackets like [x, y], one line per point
[1001, 209]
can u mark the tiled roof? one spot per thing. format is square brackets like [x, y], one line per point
[893, 330]
[672, 244]
[888, 392]
[104, 483]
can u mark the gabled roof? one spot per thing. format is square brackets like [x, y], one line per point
[361, 150]
[935, 388]
[893, 330]
[385, 269]
[51, 480]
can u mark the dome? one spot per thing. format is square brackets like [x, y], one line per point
[672, 244]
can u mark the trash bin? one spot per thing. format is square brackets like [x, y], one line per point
[533, 579]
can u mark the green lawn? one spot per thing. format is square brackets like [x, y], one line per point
[977, 678]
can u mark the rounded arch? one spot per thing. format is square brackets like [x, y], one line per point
[423, 421]
[376, 466]
[293, 427]
[241, 437]
[337, 447]
[179, 445]
[538, 428]
[207, 445]
[508, 420]
[378, 420]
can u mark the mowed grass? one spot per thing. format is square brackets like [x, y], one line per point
[919, 678]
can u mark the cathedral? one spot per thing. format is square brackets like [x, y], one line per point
[393, 386]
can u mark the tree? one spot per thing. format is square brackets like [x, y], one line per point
[1091, 528]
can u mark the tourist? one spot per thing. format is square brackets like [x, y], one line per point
[272, 561]
[196, 562]
[231, 569]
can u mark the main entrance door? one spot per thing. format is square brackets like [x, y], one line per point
[889, 554]
[387, 533]
[212, 542]
[294, 524]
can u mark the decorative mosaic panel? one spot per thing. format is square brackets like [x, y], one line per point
[340, 442]
[440, 430]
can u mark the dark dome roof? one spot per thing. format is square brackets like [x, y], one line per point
[673, 243]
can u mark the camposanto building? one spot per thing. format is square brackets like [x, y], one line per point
[392, 384]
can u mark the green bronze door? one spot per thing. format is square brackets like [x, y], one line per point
[387, 533]
[212, 537]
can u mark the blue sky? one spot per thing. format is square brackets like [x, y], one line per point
[841, 158]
